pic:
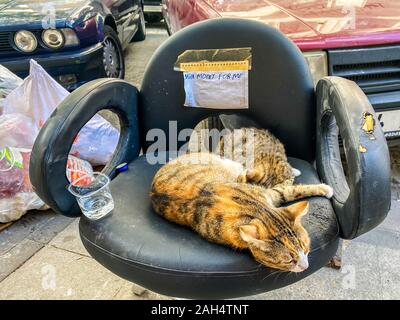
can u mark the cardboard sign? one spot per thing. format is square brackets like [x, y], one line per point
[217, 79]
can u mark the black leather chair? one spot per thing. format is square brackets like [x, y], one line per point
[138, 245]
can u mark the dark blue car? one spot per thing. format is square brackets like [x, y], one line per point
[74, 40]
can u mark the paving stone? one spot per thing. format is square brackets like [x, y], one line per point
[17, 256]
[23, 228]
[361, 260]
[70, 240]
[392, 221]
[390, 285]
[58, 274]
[53, 226]
[131, 291]
[389, 257]
[381, 237]
[388, 263]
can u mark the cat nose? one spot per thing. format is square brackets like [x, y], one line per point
[303, 261]
[302, 264]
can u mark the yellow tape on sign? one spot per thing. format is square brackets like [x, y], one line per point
[214, 66]
[209, 60]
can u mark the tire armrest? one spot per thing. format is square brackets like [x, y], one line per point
[363, 200]
[50, 152]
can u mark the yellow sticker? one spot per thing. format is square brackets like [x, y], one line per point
[362, 149]
[369, 123]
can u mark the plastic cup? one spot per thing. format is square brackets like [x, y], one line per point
[93, 195]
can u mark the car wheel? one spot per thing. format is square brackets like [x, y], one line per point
[113, 57]
[141, 32]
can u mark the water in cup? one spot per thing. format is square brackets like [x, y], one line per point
[93, 195]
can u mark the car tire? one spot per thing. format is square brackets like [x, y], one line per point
[141, 32]
[168, 29]
[113, 55]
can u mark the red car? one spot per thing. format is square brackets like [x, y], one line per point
[354, 39]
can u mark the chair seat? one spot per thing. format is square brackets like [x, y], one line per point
[139, 245]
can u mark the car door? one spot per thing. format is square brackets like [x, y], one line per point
[181, 13]
[177, 12]
[126, 15]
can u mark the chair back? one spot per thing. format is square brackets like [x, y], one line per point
[281, 91]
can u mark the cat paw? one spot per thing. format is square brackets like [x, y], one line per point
[242, 178]
[328, 190]
[296, 172]
[250, 176]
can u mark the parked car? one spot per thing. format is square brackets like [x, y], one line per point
[152, 11]
[74, 40]
[358, 40]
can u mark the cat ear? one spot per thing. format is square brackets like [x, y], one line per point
[249, 234]
[297, 210]
[252, 174]
[249, 175]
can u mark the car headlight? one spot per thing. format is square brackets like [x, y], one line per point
[318, 64]
[70, 37]
[53, 38]
[25, 41]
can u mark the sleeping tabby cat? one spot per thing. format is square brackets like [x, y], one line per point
[261, 153]
[207, 193]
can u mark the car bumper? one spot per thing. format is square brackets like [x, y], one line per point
[152, 7]
[71, 69]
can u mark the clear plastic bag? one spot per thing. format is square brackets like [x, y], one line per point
[17, 134]
[14, 171]
[37, 98]
[77, 169]
[96, 141]
[16, 192]
[17, 130]
[11, 209]
[26, 109]
[8, 82]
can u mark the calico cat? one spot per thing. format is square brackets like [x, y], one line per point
[201, 191]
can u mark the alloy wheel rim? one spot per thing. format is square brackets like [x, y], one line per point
[111, 58]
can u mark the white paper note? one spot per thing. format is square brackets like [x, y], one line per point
[217, 89]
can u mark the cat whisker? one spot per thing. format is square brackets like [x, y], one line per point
[271, 274]
[289, 273]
